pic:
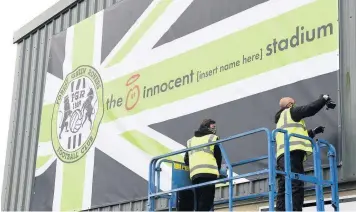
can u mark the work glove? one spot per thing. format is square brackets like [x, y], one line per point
[329, 102]
[318, 130]
[223, 171]
[325, 96]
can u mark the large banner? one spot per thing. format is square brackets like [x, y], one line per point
[135, 81]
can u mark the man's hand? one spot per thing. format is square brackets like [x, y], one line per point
[223, 171]
[329, 102]
[318, 130]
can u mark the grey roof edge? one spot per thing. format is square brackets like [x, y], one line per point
[41, 19]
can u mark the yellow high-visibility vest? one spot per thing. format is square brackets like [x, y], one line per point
[286, 122]
[202, 160]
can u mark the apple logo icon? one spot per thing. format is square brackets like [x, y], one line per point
[133, 95]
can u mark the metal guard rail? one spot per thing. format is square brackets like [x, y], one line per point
[317, 179]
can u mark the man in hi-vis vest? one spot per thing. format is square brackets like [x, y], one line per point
[290, 117]
[204, 164]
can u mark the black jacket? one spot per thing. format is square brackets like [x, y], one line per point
[217, 155]
[300, 112]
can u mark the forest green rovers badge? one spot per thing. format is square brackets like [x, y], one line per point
[77, 114]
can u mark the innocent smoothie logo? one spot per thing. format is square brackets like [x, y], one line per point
[133, 95]
[77, 114]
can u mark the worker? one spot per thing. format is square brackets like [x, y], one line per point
[204, 164]
[291, 118]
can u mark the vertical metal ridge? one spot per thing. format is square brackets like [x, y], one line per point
[41, 70]
[70, 17]
[65, 21]
[62, 23]
[104, 4]
[73, 15]
[20, 160]
[12, 126]
[91, 7]
[87, 7]
[77, 9]
[339, 89]
[45, 38]
[50, 32]
[21, 129]
[81, 10]
[28, 119]
[30, 161]
[347, 42]
[15, 132]
[15, 129]
[96, 6]
[108, 3]
[101, 4]
[58, 24]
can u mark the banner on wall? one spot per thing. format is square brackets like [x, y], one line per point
[135, 81]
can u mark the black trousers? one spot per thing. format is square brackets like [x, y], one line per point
[204, 195]
[296, 160]
[185, 200]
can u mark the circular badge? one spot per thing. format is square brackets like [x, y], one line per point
[77, 114]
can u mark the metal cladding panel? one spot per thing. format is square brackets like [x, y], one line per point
[31, 65]
[13, 123]
[22, 141]
[348, 86]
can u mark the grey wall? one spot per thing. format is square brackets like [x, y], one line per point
[348, 86]
[33, 43]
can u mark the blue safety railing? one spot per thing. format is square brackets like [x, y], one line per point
[155, 164]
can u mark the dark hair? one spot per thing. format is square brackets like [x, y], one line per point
[205, 125]
[207, 122]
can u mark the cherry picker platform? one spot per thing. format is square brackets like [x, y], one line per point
[181, 181]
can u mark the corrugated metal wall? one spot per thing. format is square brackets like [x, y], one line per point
[31, 65]
[348, 86]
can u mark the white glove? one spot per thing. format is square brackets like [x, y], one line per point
[326, 97]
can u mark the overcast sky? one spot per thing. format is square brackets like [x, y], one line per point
[14, 14]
